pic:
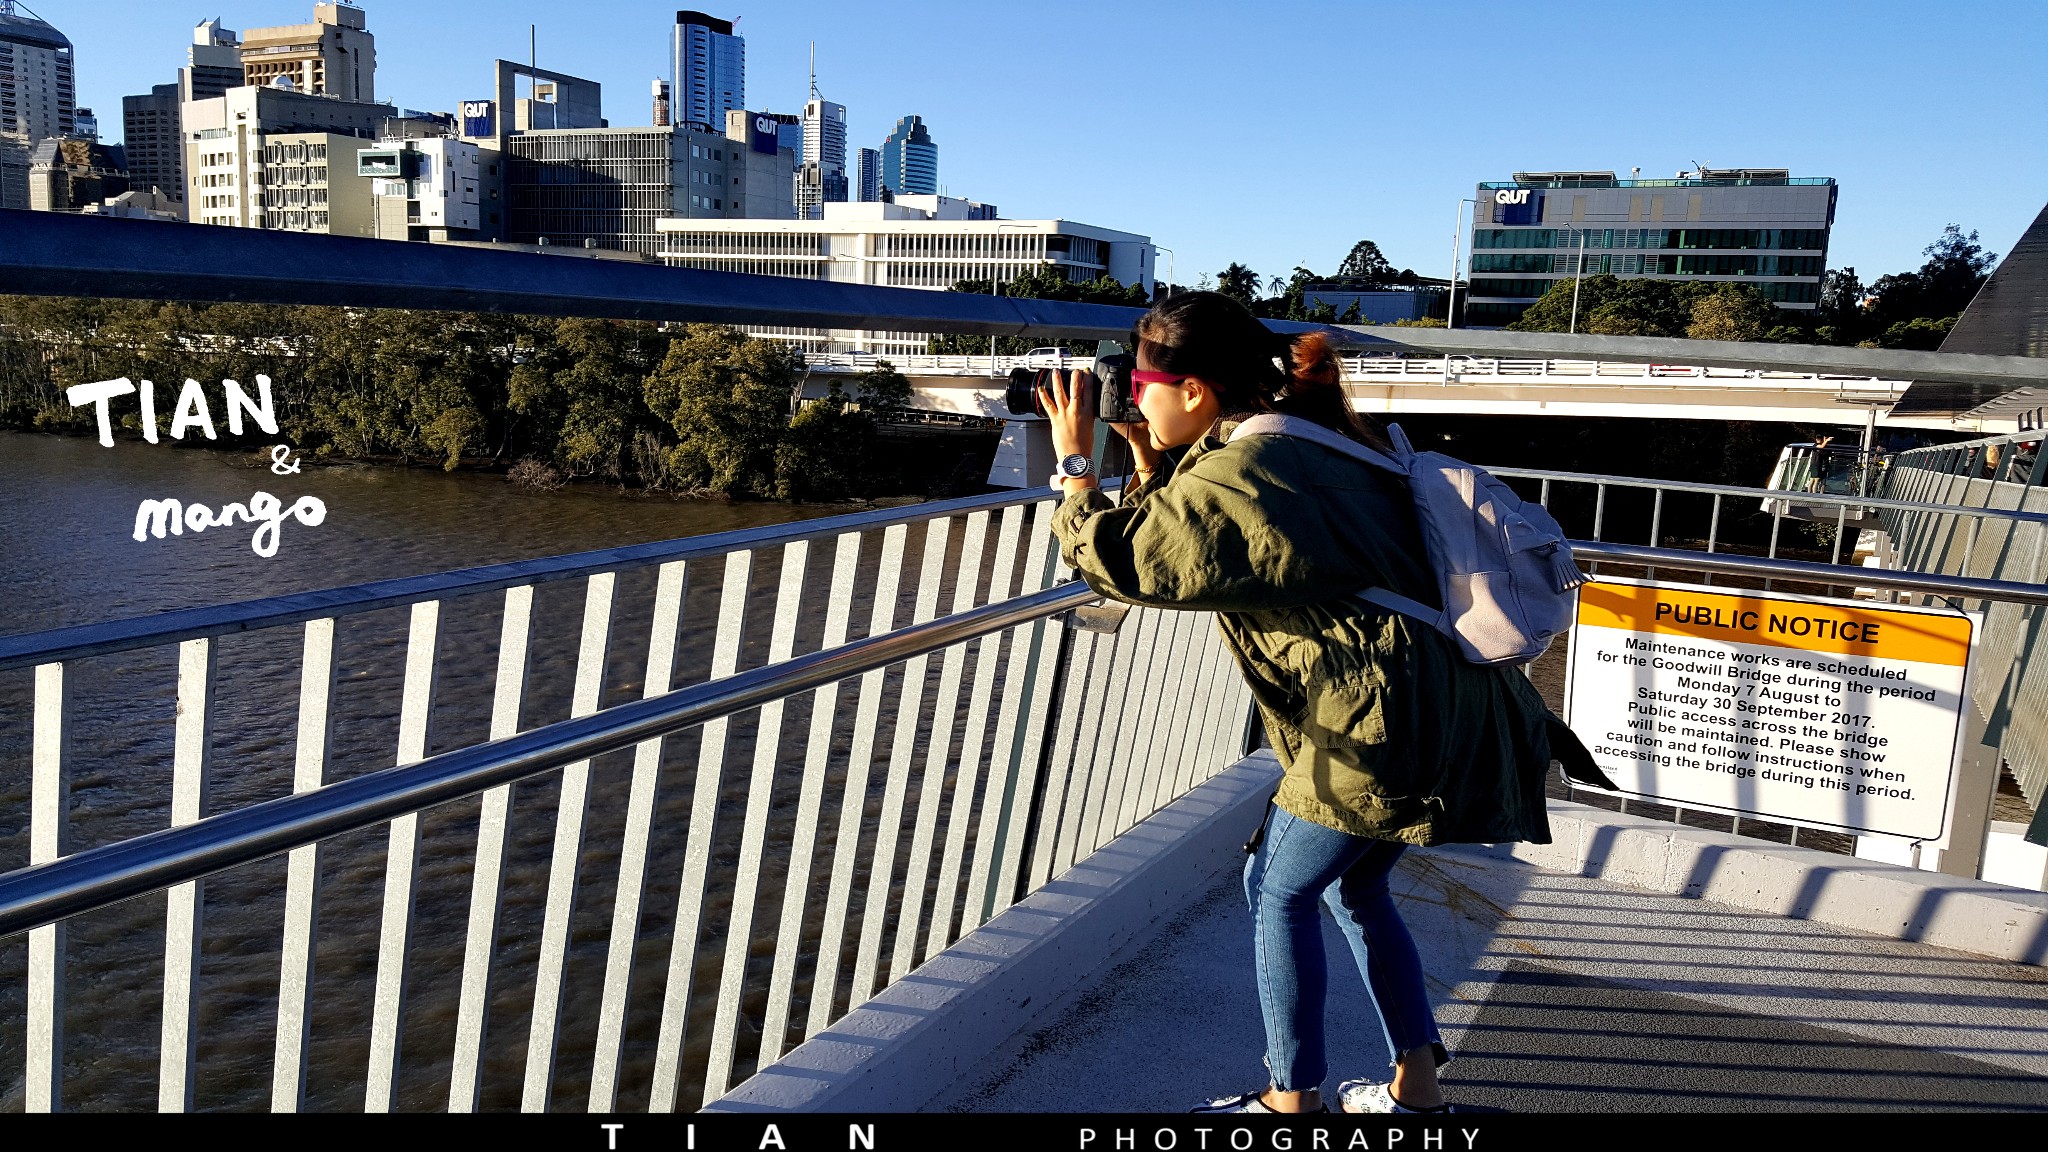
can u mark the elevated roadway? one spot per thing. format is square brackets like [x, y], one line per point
[1482, 385]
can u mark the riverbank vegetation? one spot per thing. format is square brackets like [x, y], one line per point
[680, 408]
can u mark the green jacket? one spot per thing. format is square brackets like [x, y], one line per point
[1384, 729]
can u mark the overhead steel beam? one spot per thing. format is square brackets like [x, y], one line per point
[59, 254]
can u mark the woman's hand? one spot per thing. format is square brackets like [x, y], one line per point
[1144, 458]
[1070, 408]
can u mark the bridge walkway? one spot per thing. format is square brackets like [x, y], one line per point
[1559, 992]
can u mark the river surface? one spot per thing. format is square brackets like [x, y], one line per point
[67, 509]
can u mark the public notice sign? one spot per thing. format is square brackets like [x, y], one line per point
[1822, 712]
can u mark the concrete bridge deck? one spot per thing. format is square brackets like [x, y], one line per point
[1558, 989]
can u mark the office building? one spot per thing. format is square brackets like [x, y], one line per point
[919, 241]
[1758, 226]
[821, 179]
[868, 181]
[910, 161]
[335, 55]
[426, 186]
[37, 95]
[307, 182]
[149, 134]
[66, 173]
[37, 92]
[138, 205]
[213, 62]
[607, 187]
[661, 116]
[86, 125]
[710, 70]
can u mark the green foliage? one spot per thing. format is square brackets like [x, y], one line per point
[1612, 306]
[700, 407]
[727, 398]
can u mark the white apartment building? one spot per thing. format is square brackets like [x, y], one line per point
[429, 188]
[247, 141]
[930, 242]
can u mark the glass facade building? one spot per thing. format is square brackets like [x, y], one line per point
[710, 71]
[910, 161]
[1762, 227]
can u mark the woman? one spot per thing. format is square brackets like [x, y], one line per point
[1388, 737]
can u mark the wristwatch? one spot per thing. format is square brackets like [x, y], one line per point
[1074, 466]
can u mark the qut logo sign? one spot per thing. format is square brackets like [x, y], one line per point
[764, 124]
[1511, 196]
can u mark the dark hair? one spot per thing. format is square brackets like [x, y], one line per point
[1253, 369]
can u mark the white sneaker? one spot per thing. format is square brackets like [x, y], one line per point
[1375, 1096]
[1244, 1102]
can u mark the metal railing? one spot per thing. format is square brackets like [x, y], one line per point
[984, 751]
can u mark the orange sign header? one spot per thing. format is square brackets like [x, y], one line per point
[1756, 618]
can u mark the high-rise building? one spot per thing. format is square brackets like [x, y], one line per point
[213, 62]
[149, 133]
[867, 185]
[661, 106]
[37, 95]
[1762, 227]
[710, 70]
[335, 55]
[822, 177]
[87, 124]
[910, 161]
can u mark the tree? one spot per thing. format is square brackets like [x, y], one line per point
[1732, 312]
[1956, 267]
[1366, 264]
[584, 388]
[1240, 283]
[727, 398]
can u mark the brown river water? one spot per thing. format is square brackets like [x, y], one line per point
[67, 507]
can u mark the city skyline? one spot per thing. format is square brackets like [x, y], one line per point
[1842, 92]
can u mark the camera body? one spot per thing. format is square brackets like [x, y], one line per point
[1112, 374]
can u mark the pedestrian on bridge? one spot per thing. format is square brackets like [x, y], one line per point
[1387, 736]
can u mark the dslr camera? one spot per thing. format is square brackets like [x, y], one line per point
[1113, 404]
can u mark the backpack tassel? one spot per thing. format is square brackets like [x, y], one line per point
[1563, 571]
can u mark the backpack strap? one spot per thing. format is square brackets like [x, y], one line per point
[1275, 424]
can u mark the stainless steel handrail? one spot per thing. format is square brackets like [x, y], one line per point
[42, 894]
[1770, 494]
[1810, 572]
[221, 619]
[34, 896]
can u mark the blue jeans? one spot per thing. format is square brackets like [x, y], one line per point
[1298, 863]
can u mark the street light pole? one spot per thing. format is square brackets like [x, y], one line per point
[1457, 234]
[1578, 279]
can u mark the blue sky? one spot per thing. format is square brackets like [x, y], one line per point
[1280, 133]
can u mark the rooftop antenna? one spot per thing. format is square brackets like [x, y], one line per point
[814, 69]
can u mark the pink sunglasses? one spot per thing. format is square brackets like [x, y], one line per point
[1140, 379]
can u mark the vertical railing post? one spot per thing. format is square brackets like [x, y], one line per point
[543, 1025]
[631, 891]
[401, 864]
[48, 833]
[302, 873]
[682, 956]
[739, 933]
[191, 764]
[494, 818]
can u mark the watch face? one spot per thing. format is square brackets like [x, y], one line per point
[1075, 465]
